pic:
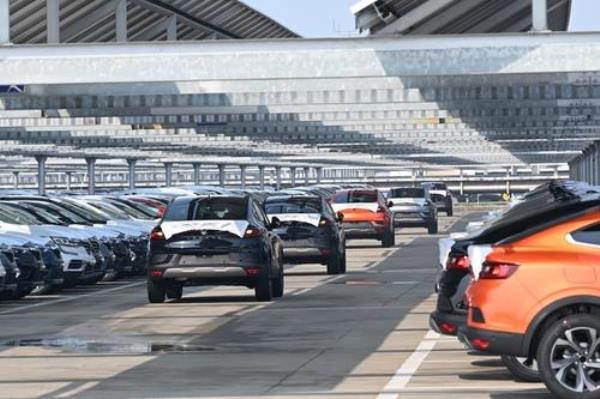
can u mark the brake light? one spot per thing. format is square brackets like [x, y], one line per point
[252, 232]
[157, 234]
[480, 344]
[497, 270]
[156, 273]
[459, 262]
[252, 271]
[447, 328]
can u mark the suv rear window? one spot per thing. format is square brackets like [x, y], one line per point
[344, 197]
[208, 209]
[407, 193]
[294, 205]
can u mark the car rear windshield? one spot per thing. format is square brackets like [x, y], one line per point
[293, 205]
[208, 209]
[344, 197]
[438, 186]
[407, 193]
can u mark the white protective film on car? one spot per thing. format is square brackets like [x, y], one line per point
[477, 255]
[308, 218]
[235, 227]
[444, 247]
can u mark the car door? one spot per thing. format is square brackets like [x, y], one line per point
[272, 241]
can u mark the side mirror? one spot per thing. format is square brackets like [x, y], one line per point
[340, 217]
[390, 204]
[275, 223]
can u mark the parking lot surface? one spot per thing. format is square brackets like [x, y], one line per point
[360, 335]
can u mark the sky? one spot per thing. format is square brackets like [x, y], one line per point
[332, 18]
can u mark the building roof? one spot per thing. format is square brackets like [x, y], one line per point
[410, 17]
[94, 20]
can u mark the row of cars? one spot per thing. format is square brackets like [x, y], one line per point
[524, 283]
[47, 243]
[244, 238]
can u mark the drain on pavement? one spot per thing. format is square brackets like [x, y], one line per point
[87, 346]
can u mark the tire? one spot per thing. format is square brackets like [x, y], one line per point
[449, 210]
[554, 351]
[263, 290]
[525, 370]
[389, 239]
[334, 264]
[174, 291]
[278, 284]
[343, 262]
[432, 227]
[156, 292]
[44, 289]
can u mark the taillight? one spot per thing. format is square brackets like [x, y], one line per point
[447, 328]
[497, 270]
[252, 232]
[459, 262]
[480, 344]
[252, 271]
[157, 234]
[156, 273]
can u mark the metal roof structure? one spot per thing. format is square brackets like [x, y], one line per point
[424, 17]
[85, 21]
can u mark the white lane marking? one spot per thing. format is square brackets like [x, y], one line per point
[77, 390]
[71, 298]
[410, 366]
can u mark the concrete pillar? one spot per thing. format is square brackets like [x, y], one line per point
[91, 171]
[306, 175]
[222, 175]
[539, 9]
[293, 176]
[243, 176]
[4, 22]
[462, 182]
[278, 177]
[168, 174]
[69, 181]
[53, 21]
[319, 175]
[196, 174]
[172, 28]
[261, 177]
[41, 161]
[131, 173]
[15, 180]
[121, 13]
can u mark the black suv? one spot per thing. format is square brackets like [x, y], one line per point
[215, 240]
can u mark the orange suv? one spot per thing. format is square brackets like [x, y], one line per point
[537, 295]
[365, 214]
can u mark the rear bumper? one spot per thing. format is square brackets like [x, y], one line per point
[364, 230]
[498, 343]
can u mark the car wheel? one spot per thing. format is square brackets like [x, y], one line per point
[156, 292]
[334, 264]
[43, 289]
[278, 284]
[568, 357]
[343, 262]
[175, 291]
[389, 239]
[525, 370]
[263, 290]
[432, 227]
[449, 210]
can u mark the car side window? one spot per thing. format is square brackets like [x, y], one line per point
[589, 235]
[259, 214]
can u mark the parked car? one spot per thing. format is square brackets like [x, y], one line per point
[310, 230]
[536, 295]
[215, 240]
[413, 207]
[365, 214]
[441, 196]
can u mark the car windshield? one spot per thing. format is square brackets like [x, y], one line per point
[293, 205]
[62, 213]
[13, 215]
[88, 213]
[128, 208]
[407, 193]
[355, 197]
[208, 209]
[110, 210]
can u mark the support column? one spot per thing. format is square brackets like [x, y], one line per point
[278, 177]
[221, 175]
[69, 181]
[243, 176]
[131, 175]
[121, 13]
[306, 175]
[41, 161]
[462, 182]
[172, 28]
[91, 171]
[168, 174]
[539, 9]
[261, 177]
[53, 21]
[196, 174]
[293, 176]
[319, 175]
[16, 179]
[4, 22]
